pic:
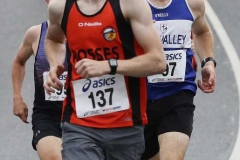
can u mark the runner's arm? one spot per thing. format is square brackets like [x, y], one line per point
[55, 39]
[18, 67]
[18, 71]
[153, 61]
[54, 45]
[202, 34]
[204, 45]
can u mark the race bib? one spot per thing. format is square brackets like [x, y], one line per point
[59, 95]
[175, 71]
[100, 95]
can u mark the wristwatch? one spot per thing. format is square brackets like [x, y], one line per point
[113, 65]
[208, 59]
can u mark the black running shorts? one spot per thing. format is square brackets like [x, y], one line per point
[46, 122]
[173, 113]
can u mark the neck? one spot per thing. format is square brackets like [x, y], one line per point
[160, 3]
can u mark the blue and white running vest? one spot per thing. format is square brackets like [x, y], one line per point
[173, 23]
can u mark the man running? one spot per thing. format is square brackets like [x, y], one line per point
[170, 95]
[104, 112]
[46, 117]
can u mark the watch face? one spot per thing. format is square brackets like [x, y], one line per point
[113, 62]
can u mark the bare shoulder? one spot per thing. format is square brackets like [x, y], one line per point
[197, 7]
[32, 34]
[135, 8]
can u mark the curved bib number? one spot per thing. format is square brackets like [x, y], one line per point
[59, 95]
[175, 70]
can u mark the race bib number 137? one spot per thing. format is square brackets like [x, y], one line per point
[100, 95]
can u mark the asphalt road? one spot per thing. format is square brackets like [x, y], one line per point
[216, 115]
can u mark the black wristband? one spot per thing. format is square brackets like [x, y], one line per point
[113, 65]
[208, 59]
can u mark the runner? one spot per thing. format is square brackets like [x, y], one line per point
[170, 95]
[46, 117]
[111, 43]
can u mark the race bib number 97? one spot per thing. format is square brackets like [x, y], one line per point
[175, 70]
[100, 95]
[59, 95]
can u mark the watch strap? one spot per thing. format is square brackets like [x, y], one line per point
[208, 59]
[113, 66]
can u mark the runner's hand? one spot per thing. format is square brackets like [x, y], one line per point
[89, 68]
[53, 79]
[208, 79]
[20, 109]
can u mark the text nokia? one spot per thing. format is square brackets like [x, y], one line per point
[89, 24]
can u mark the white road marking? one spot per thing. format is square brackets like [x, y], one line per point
[234, 61]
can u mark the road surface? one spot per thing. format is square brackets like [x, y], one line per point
[216, 116]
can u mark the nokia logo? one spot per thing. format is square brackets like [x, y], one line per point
[89, 24]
